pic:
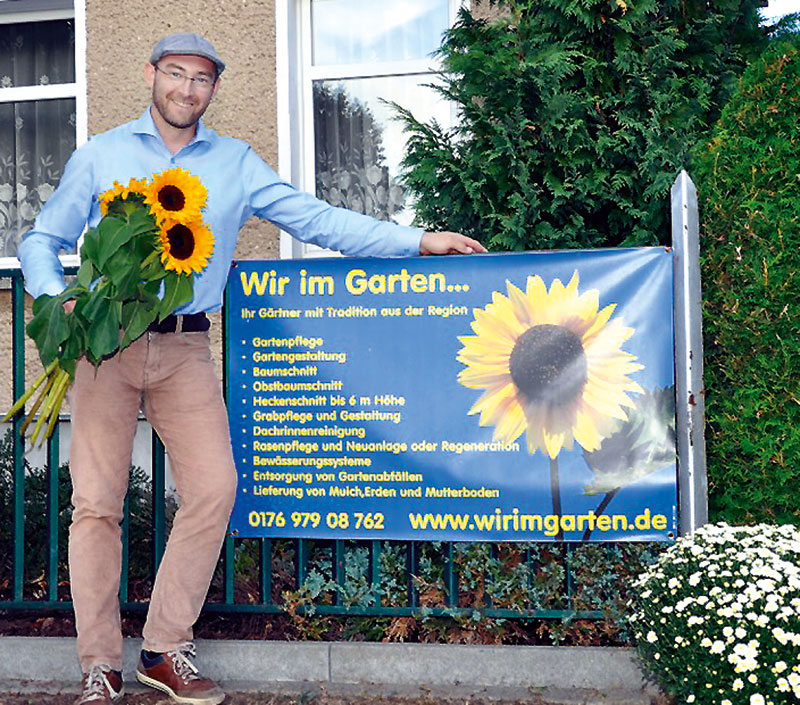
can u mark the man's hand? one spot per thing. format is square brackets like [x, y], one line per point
[447, 243]
[69, 304]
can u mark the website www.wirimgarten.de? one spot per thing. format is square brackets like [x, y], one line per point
[547, 524]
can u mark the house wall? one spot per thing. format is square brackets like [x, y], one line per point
[119, 43]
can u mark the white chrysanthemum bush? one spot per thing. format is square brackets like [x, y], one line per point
[717, 617]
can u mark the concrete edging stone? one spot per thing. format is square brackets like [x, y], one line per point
[250, 664]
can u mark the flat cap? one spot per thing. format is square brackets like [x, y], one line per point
[186, 43]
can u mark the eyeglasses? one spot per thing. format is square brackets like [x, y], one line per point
[202, 83]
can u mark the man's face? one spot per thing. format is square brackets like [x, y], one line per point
[179, 101]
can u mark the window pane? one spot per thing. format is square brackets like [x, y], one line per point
[36, 139]
[37, 53]
[358, 146]
[366, 31]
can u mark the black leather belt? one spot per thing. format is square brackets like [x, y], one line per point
[193, 323]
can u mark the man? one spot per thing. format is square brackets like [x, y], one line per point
[169, 369]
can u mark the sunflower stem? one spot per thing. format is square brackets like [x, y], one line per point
[154, 255]
[24, 398]
[555, 493]
[600, 509]
[62, 390]
[42, 396]
[50, 403]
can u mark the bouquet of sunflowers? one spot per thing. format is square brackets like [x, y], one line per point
[137, 266]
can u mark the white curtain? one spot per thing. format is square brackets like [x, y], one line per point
[36, 136]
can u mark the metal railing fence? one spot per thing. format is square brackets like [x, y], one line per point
[368, 578]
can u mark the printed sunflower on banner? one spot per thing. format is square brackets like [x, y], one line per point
[552, 365]
[137, 265]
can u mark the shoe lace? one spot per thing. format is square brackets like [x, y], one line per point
[182, 664]
[96, 685]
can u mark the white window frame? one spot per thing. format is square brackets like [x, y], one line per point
[76, 90]
[295, 76]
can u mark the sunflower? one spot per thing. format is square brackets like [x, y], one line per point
[175, 195]
[551, 364]
[135, 187]
[185, 247]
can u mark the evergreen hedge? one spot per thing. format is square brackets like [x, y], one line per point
[748, 179]
[575, 117]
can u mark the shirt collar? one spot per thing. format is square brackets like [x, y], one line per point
[144, 125]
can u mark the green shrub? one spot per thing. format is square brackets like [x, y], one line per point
[748, 179]
[575, 117]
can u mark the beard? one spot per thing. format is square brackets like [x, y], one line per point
[172, 117]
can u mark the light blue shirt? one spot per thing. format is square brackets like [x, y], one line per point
[240, 184]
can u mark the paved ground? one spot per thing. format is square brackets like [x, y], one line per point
[320, 696]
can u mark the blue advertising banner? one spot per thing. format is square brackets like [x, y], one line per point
[502, 397]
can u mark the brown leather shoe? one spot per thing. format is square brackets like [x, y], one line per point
[174, 673]
[101, 686]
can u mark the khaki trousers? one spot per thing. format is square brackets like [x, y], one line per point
[172, 376]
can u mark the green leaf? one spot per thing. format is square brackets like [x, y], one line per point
[48, 327]
[75, 344]
[136, 317]
[103, 333]
[152, 269]
[86, 274]
[148, 293]
[91, 245]
[177, 292]
[122, 270]
[93, 304]
[114, 233]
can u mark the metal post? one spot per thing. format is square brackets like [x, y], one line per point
[18, 385]
[689, 389]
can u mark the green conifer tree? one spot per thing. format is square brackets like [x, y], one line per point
[575, 117]
[749, 192]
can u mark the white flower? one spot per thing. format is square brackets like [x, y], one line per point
[652, 637]
[26, 211]
[780, 635]
[45, 191]
[738, 684]
[718, 647]
[762, 620]
[757, 699]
